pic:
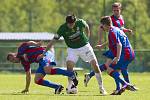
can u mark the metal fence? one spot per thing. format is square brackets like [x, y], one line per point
[140, 64]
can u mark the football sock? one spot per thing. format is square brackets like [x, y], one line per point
[99, 79]
[62, 72]
[47, 83]
[102, 68]
[117, 78]
[117, 85]
[125, 75]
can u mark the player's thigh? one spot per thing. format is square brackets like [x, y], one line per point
[38, 76]
[47, 69]
[87, 54]
[72, 55]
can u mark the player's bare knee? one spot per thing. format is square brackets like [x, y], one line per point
[70, 65]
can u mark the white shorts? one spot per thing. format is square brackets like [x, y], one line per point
[86, 53]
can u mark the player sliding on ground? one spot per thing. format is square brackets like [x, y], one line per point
[28, 53]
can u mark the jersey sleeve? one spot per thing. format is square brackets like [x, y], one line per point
[26, 65]
[60, 31]
[83, 23]
[22, 48]
[114, 38]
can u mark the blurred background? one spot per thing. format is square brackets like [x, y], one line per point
[32, 16]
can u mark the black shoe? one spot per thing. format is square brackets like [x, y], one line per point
[124, 87]
[132, 88]
[59, 89]
[75, 81]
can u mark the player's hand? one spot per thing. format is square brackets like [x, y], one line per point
[115, 60]
[25, 91]
[130, 31]
[40, 56]
[99, 46]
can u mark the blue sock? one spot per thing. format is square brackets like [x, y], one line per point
[117, 78]
[102, 68]
[47, 84]
[60, 71]
[92, 73]
[125, 75]
[117, 85]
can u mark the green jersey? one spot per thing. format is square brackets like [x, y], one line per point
[75, 37]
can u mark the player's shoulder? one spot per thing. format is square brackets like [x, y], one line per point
[80, 20]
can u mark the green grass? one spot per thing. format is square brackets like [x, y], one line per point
[12, 84]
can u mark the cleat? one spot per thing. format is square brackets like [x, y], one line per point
[75, 81]
[124, 87]
[86, 79]
[132, 88]
[115, 92]
[59, 89]
[103, 91]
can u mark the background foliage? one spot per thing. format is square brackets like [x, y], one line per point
[47, 15]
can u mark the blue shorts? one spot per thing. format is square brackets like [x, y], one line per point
[108, 54]
[47, 60]
[121, 65]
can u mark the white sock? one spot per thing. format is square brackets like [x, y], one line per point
[99, 79]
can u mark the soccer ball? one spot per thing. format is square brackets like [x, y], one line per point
[71, 89]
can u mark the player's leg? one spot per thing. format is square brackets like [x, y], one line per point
[102, 67]
[39, 79]
[125, 75]
[115, 74]
[70, 62]
[87, 54]
[59, 71]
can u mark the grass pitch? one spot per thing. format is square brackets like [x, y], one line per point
[11, 84]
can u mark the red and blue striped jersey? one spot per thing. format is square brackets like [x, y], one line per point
[118, 36]
[32, 52]
[117, 22]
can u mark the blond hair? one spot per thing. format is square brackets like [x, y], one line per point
[116, 4]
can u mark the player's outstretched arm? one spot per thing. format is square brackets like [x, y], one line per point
[28, 81]
[100, 46]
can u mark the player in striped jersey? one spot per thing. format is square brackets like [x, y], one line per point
[27, 54]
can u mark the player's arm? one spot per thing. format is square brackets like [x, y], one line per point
[87, 30]
[127, 30]
[100, 35]
[119, 49]
[55, 38]
[100, 46]
[50, 44]
[28, 81]
[28, 76]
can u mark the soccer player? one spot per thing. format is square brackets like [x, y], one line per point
[121, 52]
[73, 32]
[27, 54]
[117, 21]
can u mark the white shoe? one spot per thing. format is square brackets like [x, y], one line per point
[86, 79]
[103, 91]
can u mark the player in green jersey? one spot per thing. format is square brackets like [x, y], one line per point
[74, 33]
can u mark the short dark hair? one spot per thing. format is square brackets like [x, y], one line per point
[70, 18]
[105, 20]
[8, 55]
